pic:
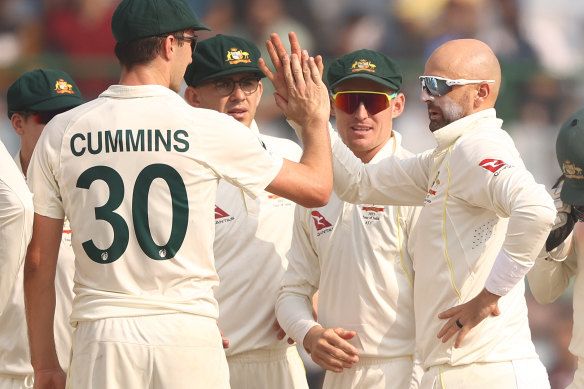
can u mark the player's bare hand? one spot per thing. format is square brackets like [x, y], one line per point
[462, 318]
[277, 52]
[329, 348]
[224, 340]
[50, 379]
[308, 101]
[281, 334]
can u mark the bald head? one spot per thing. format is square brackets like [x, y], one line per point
[470, 59]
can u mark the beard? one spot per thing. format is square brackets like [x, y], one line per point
[448, 112]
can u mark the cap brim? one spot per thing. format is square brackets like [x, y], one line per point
[231, 71]
[56, 104]
[573, 192]
[367, 76]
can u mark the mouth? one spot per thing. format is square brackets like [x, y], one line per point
[433, 113]
[361, 129]
[237, 113]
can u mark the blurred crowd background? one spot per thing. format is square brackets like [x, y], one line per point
[540, 45]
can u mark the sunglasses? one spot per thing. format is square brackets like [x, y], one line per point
[374, 102]
[439, 86]
[578, 211]
[192, 40]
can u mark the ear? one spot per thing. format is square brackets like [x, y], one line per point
[17, 121]
[398, 106]
[332, 101]
[167, 49]
[483, 93]
[192, 96]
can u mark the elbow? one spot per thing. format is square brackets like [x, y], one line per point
[319, 196]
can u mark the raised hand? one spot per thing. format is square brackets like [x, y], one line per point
[277, 52]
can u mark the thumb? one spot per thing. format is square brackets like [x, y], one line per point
[281, 102]
[344, 333]
[496, 311]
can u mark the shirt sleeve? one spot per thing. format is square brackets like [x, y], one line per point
[300, 282]
[16, 218]
[548, 279]
[503, 185]
[392, 181]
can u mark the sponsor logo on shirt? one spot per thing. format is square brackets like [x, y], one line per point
[371, 213]
[496, 166]
[322, 225]
[277, 201]
[66, 237]
[432, 191]
[221, 216]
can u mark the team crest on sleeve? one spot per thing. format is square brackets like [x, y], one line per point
[494, 165]
[363, 64]
[320, 223]
[235, 55]
[221, 216]
[62, 86]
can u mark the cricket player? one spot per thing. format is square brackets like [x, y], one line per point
[135, 171]
[16, 216]
[483, 222]
[252, 236]
[552, 273]
[33, 100]
[356, 256]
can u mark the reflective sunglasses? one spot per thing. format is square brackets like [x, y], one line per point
[226, 86]
[439, 86]
[374, 102]
[578, 211]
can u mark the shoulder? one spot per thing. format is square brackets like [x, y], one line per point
[282, 147]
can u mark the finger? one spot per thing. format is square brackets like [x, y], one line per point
[278, 46]
[281, 334]
[273, 55]
[450, 332]
[297, 72]
[294, 44]
[461, 335]
[315, 71]
[266, 70]
[306, 71]
[290, 341]
[333, 358]
[450, 312]
[319, 64]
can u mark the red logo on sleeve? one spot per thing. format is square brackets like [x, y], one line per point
[319, 221]
[492, 164]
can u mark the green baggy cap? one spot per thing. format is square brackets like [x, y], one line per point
[43, 90]
[570, 153]
[368, 64]
[135, 19]
[221, 56]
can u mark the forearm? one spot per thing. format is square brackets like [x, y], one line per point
[294, 313]
[526, 233]
[39, 294]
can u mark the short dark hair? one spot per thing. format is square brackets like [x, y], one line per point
[144, 50]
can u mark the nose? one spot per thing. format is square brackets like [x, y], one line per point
[238, 93]
[361, 111]
[425, 96]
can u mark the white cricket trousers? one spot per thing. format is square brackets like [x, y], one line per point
[578, 382]
[267, 369]
[374, 373]
[517, 374]
[177, 351]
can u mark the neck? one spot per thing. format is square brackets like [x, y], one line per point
[148, 74]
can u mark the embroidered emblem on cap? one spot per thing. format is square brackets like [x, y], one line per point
[363, 64]
[235, 55]
[62, 86]
[572, 171]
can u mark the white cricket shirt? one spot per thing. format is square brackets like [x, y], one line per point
[136, 173]
[252, 237]
[16, 216]
[479, 200]
[14, 347]
[357, 257]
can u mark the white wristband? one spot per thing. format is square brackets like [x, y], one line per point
[505, 274]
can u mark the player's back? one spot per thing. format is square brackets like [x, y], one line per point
[137, 172]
